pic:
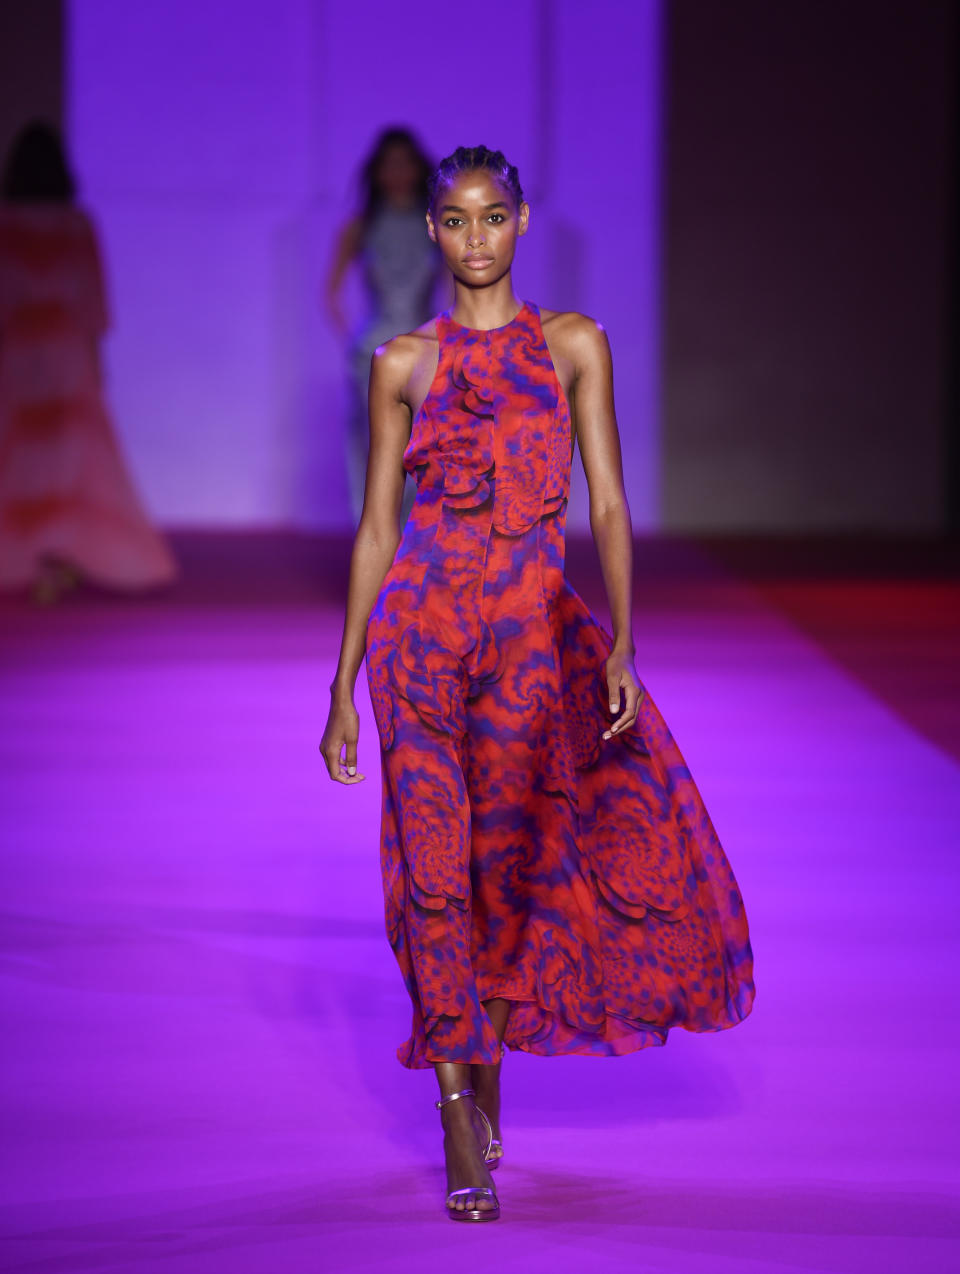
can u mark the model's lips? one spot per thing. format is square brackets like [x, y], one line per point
[477, 263]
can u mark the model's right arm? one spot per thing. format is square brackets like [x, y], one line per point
[374, 547]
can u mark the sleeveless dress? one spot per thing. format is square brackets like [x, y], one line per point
[522, 855]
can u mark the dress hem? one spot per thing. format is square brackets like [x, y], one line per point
[634, 1039]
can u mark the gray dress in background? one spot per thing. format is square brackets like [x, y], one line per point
[400, 266]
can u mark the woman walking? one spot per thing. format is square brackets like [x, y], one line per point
[400, 268]
[552, 879]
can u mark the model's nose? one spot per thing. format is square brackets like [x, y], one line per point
[475, 238]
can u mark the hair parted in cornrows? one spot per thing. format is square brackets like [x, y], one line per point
[467, 159]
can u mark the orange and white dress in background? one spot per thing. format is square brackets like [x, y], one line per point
[66, 496]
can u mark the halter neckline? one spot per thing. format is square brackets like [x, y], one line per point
[524, 308]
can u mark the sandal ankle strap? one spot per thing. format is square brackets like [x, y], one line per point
[464, 1092]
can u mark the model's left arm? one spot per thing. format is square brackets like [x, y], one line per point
[599, 441]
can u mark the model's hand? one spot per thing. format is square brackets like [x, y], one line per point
[622, 677]
[338, 747]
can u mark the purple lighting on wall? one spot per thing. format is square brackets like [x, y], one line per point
[218, 148]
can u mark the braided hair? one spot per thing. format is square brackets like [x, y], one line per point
[468, 159]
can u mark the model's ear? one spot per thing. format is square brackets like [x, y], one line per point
[523, 218]
[431, 228]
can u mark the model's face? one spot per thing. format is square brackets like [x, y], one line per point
[476, 224]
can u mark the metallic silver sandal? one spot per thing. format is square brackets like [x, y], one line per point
[472, 1214]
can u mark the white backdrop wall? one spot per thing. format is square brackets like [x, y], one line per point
[217, 144]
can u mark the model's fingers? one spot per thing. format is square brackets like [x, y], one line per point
[340, 775]
[347, 764]
[613, 686]
[631, 695]
[331, 759]
[335, 767]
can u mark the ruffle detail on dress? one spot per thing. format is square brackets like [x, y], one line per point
[463, 453]
[465, 488]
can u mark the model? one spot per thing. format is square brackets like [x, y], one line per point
[552, 879]
[69, 509]
[400, 268]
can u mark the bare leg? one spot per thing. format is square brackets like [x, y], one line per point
[486, 1079]
[463, 1138]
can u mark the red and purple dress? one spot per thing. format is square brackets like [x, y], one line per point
[523, 856]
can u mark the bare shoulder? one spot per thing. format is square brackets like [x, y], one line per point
[402, 353]
[576, 336]
[397, 361]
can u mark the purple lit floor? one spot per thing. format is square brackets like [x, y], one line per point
[200, 1007]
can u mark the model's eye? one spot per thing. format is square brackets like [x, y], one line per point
[452, 221]
[496, 216]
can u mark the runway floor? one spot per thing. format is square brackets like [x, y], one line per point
[200, 1007]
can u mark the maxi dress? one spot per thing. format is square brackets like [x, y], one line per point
[522, 855]
[66, 493]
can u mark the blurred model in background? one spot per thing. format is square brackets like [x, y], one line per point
[400, 268]
[68, 508]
